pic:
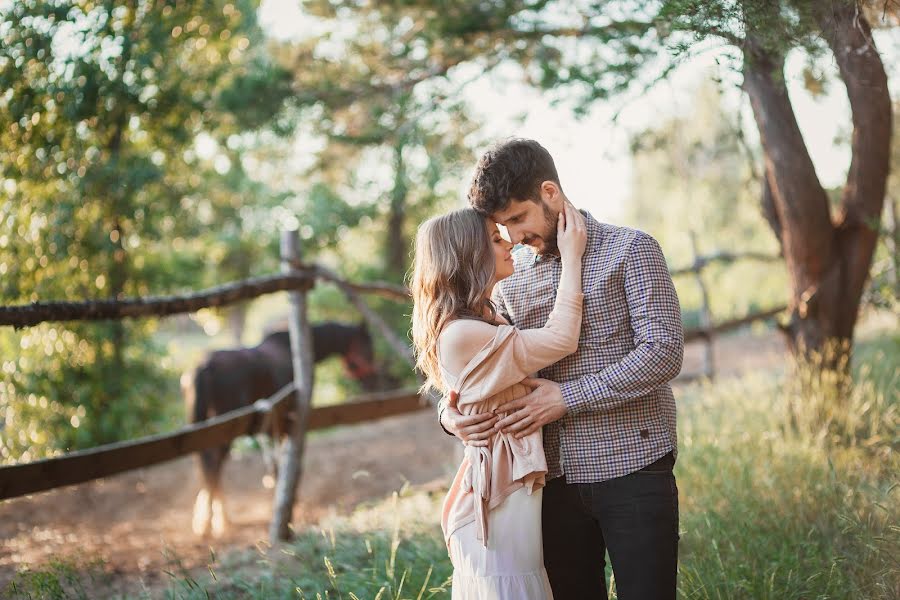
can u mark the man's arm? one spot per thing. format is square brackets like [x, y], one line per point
[474, 430]
[658, 337]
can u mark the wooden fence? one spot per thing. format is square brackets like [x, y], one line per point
[297, 278]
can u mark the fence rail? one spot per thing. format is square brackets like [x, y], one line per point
[302, 279]
[701, 333]
[27, 315]
[111, 459]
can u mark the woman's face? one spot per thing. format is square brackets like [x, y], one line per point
[503, 261]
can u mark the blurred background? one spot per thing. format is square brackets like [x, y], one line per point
[154, 147]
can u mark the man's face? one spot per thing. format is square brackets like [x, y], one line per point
[532, 223]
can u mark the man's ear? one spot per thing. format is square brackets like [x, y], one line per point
[552, 195]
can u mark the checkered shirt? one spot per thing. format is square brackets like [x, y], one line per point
[621, 413]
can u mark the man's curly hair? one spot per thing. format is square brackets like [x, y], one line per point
[510, 170]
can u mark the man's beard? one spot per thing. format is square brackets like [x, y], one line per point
[549, 233]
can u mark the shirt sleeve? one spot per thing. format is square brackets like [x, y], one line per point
[655, 317]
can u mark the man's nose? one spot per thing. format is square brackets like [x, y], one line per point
[515, 235]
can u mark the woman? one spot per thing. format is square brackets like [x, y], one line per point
[491, 517]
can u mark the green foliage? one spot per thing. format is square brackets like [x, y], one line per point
[768, 513]
[63, 578]
[107, 193]
[391, 130]
[75, 386]
[829, 410]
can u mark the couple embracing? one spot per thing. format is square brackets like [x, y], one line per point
[559, 469]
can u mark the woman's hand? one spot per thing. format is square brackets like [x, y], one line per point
[571, 233]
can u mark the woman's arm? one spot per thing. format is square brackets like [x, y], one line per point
[509, 354]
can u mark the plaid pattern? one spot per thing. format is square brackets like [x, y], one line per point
[621, 409]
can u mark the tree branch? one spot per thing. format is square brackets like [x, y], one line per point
[800, 201]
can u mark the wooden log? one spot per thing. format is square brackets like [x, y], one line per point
[401, 348]
[390, 291]
[110, 459]
[369, 408]
[700, 333]
[290, 468]
[700, 262]
[97, 310]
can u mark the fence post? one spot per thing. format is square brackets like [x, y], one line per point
[290, 467]
[709, 367]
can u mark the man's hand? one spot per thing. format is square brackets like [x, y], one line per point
[529, 413]
[474, 430]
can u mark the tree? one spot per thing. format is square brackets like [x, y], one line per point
[104, 194]
[594, 49]
[375, 98]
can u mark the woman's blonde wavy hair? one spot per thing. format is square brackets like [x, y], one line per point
[453, 270]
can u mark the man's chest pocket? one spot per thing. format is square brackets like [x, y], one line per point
[605, 313]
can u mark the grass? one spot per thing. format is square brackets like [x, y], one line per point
[768, 510]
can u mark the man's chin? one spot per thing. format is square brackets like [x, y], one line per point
[537, 244]
[543, 248]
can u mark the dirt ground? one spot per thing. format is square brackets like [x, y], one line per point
[136, 521]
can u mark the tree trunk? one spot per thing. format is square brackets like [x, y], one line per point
[396, 257]
[858, 219]
[237, 321]
[828, 260]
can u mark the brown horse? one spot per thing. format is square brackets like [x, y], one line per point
[230, 379]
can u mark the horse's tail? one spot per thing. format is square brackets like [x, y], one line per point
[202, 390]
[199, 392]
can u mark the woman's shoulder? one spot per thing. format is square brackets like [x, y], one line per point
[460, 331]
[461, 339]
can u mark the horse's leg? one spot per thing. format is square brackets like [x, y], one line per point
[208, 508]
[218, 517]
[269, 458]
[197, 395]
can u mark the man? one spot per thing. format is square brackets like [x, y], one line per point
[607, 411]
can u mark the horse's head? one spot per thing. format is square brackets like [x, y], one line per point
[359, 358]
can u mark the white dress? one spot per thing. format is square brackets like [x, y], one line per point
[511, 567]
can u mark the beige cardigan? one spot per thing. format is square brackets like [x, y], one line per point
[490, 378]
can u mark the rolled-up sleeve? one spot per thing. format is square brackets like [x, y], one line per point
[655, 318]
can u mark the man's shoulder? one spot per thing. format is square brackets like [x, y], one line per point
[615, 239]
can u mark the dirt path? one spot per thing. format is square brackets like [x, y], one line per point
[138, 519]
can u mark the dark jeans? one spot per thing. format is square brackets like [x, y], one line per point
[634, 517]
